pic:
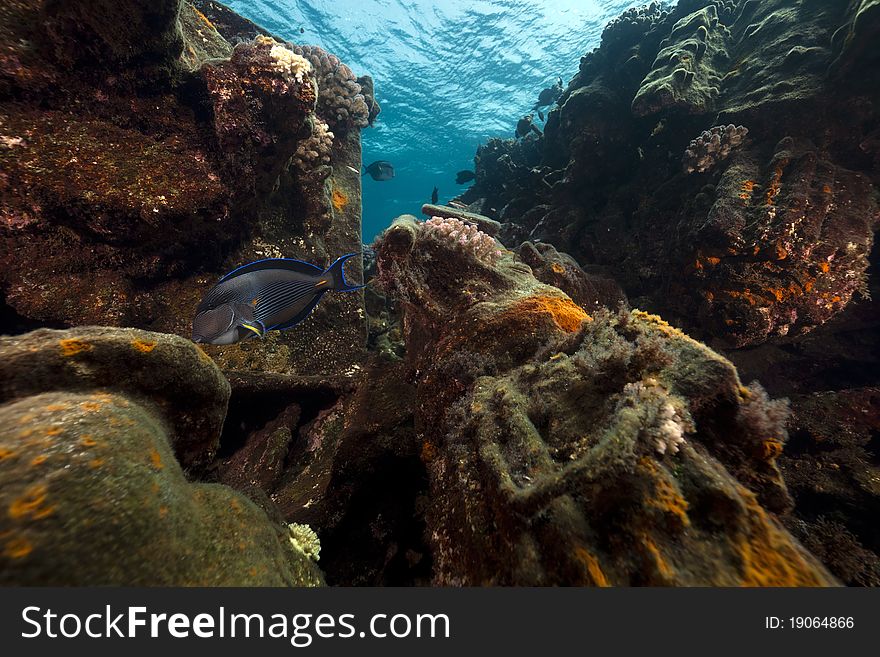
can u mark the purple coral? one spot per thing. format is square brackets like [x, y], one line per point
[464, 236]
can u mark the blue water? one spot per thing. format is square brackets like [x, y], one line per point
[448, 75]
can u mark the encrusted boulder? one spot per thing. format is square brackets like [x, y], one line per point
[565, 448]
[92, 424]
[783, 248]
[162, 372]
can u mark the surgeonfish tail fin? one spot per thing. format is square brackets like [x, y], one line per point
[337, 274]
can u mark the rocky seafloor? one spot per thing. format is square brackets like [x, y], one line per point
[641, 350]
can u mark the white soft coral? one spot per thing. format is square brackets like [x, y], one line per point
[287, 62]
[665, 426]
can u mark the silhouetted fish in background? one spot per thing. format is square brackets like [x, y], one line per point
[276, 293]
[434, 196]
[549, 95]
[380, 170]
[465, 176]
[525, 125]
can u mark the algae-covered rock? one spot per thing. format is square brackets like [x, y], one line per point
[766, 238]
[94, 496]
[114, 33]
[569, 449]
[685, 73]
[155, 370]
[144, 156]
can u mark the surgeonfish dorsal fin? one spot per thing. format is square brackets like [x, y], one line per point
[274, 263]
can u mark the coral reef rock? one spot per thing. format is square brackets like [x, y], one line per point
[159, 371]
[141, 167]
[92, 423]
[567, 448]
[771, 240]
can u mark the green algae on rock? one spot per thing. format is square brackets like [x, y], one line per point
[95, 496]
[159, 371]
[568, 449]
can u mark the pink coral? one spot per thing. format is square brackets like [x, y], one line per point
[465, 236]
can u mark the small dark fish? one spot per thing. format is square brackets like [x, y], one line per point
[549, 95]
[434, 196]
[380, 170]
[524, 125]
[302, 30]
[276, 293]
[465, 176]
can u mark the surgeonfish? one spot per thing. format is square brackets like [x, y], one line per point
[380, 170]
[549, 95]
[276, 293]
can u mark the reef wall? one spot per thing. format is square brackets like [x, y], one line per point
[144, 155]
[721, 161]
[766, 236]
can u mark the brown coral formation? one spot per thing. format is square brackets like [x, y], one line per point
[556, 441]
[785, 220]
[92, 424]
[139, 170]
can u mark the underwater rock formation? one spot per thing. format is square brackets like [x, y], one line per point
[92, 424]
[590, 290]
[565, 448]
[831, 467]
[351, 471]
[684, 75]
[769, 243]
[161, 372]
[768, 253]
[140, 169]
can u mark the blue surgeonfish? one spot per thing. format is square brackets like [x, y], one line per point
[276, 293]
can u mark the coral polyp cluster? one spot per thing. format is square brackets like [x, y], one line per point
[666, 430]
[314, 151]
[712, 146]
[465, 236]
[341, 101]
